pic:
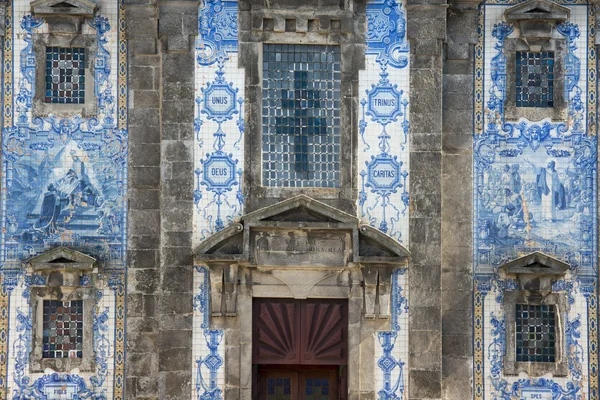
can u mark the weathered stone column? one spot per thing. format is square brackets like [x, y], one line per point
[144, 201]
[178, 24]
[161, 99]
[457, 363]
[426, 23]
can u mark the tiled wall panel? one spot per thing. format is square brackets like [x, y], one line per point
[384, 123]
[219, 158]
[391, 349]
[219, 121]
[535, 191]
[207, 348]
[383, 165]
[64, 183]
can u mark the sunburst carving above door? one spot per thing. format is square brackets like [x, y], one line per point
[300, 332]
[324, 328]
[276, 333]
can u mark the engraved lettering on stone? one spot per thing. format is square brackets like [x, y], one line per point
[295, 249]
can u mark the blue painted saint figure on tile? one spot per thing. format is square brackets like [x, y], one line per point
[65, 176]
[69, 193]
[535, 180]
[534, 190]
[538, 201]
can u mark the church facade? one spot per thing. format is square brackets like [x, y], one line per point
[282, 199]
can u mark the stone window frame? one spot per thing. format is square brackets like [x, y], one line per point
[559, 112]
[290, 135]
[271, 27]
[71, 40]
[62, 270]
[535, 369]
[37, 363]
[536, 21]
[535, 274]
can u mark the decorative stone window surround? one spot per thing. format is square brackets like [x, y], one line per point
[560, 109]
[300, 26]
[43, 40]
[535, 274]
[62, 270]
[512, 367]
[536, 22]
[64, 30]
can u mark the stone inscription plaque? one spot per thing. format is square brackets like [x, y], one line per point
[533, 394]
[301, 248]
[60, 391]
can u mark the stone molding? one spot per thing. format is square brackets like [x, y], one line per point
[300, 242]
[80, 8]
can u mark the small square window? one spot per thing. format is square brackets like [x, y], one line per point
[534, 79]
[63, 329]
[65, 75]
[535, 333]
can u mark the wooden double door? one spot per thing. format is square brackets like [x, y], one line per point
[300, 349]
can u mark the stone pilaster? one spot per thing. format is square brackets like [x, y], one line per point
[426, 32]
[143, 281]
[457, 363]
[161, 96]
[178, 22]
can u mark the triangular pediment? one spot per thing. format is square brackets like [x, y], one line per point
[375, 245]
[536, 263]
[225, 244]
[301, 214]
[300, 209]
[62, 257]
[537, 9]
[83, 8]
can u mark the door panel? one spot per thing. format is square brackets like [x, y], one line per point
[318, 385]
[279, 385]
[275, 332]
[299, 349]
[324, 332]
[301, 384]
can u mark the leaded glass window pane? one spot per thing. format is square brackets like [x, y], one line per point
[279, 389]
[535, 79]
[317, 389]
[535, 333]
[301, 115]
[65, 75]
[63, 329]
